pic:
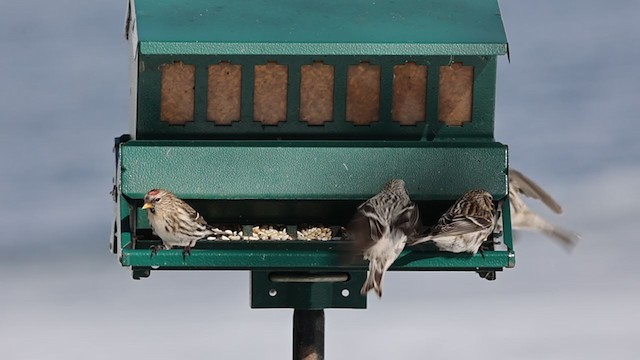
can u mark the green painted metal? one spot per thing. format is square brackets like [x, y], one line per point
[126, 221]
[298, 255]
[310, 255]
[303, 256]
[481, 127]
[507, 232]
[267, 293]
[294, 174]
[269, 181]
[252, 48]
[307, 170]
[409, 27]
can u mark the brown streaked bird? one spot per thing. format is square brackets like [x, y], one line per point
[175, 221]
[465, 226]
[522, 218]
[380, 229]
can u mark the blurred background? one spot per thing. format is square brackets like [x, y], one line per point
[567, 105]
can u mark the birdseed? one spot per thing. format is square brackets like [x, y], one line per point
[315, 233]
[271, 233]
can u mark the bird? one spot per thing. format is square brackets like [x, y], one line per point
[464, 226]
[522, 218]
[175, 221]
[380, 228]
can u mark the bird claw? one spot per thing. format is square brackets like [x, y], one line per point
[186, 251]
[154, 249]
[487, 246]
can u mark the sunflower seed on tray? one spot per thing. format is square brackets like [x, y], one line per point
[269, 233]
[315, 233]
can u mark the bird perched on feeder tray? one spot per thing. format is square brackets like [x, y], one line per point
[174, 221]
[465, 226]
[380, 229]
[522, 218]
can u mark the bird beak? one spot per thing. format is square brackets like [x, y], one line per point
[147, 206]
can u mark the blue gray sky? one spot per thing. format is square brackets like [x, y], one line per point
[567, 105]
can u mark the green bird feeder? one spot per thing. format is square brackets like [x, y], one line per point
[291, 114]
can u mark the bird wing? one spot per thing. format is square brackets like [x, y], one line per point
[529, 188]
[366, 227]
[194, 215]
[376, 227]
[462, 224]
[408, 220]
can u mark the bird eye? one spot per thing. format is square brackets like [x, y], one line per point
[156, 200]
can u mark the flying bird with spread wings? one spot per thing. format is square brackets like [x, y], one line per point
[522, 218]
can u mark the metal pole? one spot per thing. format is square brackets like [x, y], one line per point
[308, 334]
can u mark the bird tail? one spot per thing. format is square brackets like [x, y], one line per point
[419, 239]
[374, 279]
[566, 239]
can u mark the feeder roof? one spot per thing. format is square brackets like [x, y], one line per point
[322, 27]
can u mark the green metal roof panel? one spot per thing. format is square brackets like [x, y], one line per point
[418, 27]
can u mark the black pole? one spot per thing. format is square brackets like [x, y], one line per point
[308, 334]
